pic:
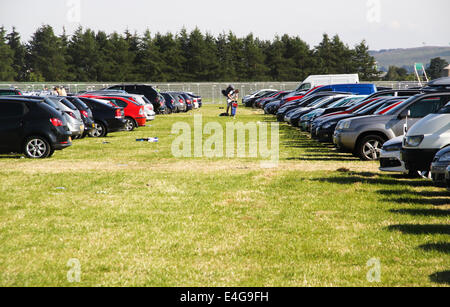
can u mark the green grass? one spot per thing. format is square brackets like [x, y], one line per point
[135, 216]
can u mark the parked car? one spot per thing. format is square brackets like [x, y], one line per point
[106, 117]
[364, 136]
[316, 80]
[377, 106]
[196, 99]
[31, 127]
[390, 157]
[428, 135]
[134, 112]
[307, 119]
[303, 102]
[248, 100]
[72, 115]
[170, 103]
[439, 165]
[180, 101]
[86, 114]
[147, 90]
[295, 116]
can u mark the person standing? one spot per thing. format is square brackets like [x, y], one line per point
[229, 93]
[234, 97]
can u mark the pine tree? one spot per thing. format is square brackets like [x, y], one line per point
[19, 63]
[83, 55]
[47, 55]
[364, 63]
[7, 72]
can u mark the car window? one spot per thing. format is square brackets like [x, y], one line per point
[7, 93]
[11, 109]
[429, 105]
[119, 103]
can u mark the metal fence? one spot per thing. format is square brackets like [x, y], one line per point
[211, 92]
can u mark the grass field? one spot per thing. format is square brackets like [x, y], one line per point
[133, 215]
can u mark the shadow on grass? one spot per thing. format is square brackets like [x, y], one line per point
[419, 201]
[11, 157]
[441, 278]
[409, 192]
[373, 178]
[422, 212]
[421, 229]
[438, 247]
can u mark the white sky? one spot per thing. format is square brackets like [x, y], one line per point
[397, 24]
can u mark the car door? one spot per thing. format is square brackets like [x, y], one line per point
[11, 125]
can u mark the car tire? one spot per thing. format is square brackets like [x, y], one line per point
[369, 147]
[99, 130]
[37, 147]
[130, 124]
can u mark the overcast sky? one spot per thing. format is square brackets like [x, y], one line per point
[383, 23]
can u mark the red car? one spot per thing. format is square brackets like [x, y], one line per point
[134, 112]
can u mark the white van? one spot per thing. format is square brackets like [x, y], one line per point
[425, 138]
[316, 80]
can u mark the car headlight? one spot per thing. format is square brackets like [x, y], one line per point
[445, 157]
[342, 125]
[329, 124]
[413, 141]
[393, 147]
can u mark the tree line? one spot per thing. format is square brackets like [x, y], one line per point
[89, 56]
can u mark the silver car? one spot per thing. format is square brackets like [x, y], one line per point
[365, 136]
[71, 114]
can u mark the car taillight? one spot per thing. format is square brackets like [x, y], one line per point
[173, 101]
[181, 100]
[162, 104]
[71, 114]
[141, 111]
[118, 114]
[56, 122]
[85, 114]
[188, 101]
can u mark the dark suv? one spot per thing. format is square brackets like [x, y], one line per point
[147, 90]
[31, 127]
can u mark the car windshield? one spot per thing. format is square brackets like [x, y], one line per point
[400, 106]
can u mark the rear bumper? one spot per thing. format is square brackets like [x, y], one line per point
[116, 125]
[141, 121]
[418, 159]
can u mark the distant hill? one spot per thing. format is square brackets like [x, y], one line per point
[407, 57]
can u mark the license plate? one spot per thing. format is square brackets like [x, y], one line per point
[93, 125]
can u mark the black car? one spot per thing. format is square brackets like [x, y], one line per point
[86, 114]
[170, 103]
[9, 92]
[107, 118]
[147, 90]
[31, 127]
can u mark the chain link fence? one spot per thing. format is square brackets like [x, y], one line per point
[210, 92]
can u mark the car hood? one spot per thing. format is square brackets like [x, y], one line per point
[431, 124]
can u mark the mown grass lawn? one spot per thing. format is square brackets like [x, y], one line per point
[133, 215]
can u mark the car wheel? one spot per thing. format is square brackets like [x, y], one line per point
[37, 147]
[130, 125]
[369, 148]
[99, 131]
